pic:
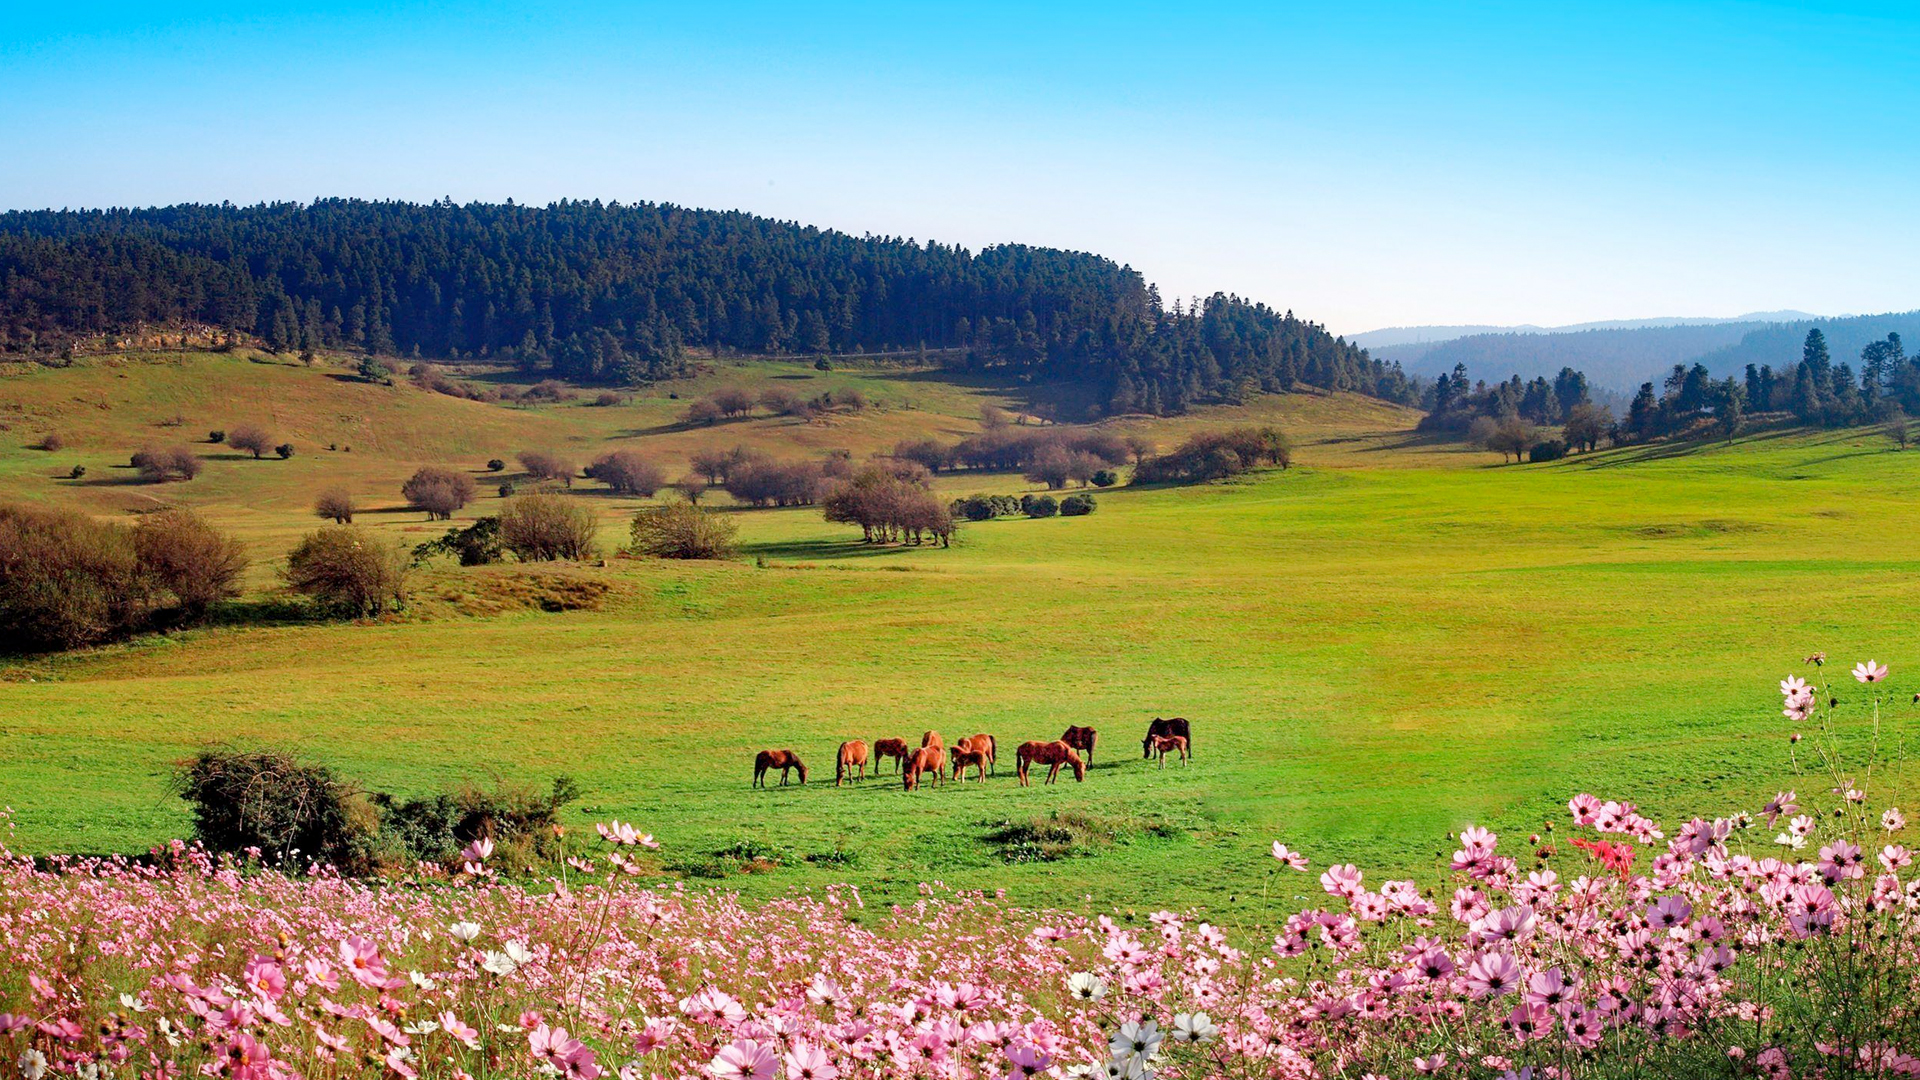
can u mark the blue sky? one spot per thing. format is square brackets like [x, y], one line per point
[1363, 164]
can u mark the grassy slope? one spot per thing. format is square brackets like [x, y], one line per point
[1372, 656]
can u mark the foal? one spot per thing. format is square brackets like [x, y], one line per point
[1176, 743]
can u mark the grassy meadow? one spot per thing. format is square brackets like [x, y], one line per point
[1387, 642]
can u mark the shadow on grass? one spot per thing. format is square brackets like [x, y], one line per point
[822, 549]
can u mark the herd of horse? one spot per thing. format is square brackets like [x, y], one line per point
[981, 753]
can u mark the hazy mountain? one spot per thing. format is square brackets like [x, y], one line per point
[1434, 335]
[1779, 345]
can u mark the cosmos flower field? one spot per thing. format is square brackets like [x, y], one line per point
[1778, 941]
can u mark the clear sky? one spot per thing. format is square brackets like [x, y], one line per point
[1365, 164]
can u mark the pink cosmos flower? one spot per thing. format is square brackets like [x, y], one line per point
[461, 1032]
[264, 977]
[1027, 1062]
[744, 1060]
[1289, 857]
[362, 960]
[244, 1058]
[1869, 672]
[1893, 820]
[1342, 880]
[808, 1062]
[1492, 975]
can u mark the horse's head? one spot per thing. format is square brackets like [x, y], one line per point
[1079, 766]
[800, 765]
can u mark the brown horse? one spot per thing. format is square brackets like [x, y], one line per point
[1053, 755]
[852, 755]
[932, 739]
[1163, 744]
[986, 744]
[1176, 725]
[968, 753]
[891, 748]
[926, 760]
[1081, 739]
[777, 759]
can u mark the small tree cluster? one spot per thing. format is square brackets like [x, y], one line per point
[67, 580]
[542, 527]
[347, 572]
[159, 464]
[759, 480]
[1070, 454]
[889, 507]
[682, 531]
[252, 438]
[984, 507]
[1511, 435]
[438, 491]
[628, 472]
[1213, 455]
[282, 806]
[476, 545]
[336, 505]
[541, 465]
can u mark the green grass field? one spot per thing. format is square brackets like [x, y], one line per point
[1385, 643]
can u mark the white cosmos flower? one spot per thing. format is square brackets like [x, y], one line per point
[421, 980]
[33, 1064]
[1141, 1040]
[1086, 986]
[1083, 1071]
[1132, 1067]
[1791, 840]
[465, 931]
[1193, 1027]
[131, 1003]
[421, 1027]
[517, 951]
[498, 962]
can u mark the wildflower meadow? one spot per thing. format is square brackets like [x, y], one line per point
[1775, 941]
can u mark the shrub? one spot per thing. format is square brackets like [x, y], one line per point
[549, 390]
[765, 482]
[1077, 505]
[541, 465]
[66, 580]
[495, 465]
[285, 450]
[476, 545]
[732, 401]
[216, 436]
[693, 487]
[1042, 507]
[375, 370]
[1214, 455]
[157, 465]
[190, 559]
[628, 472]
[438, 491]
[682, 531]
[542, 527]
[288, 809]
[1550, 450]
[336, 505]
[255, 440]
[50, 442]
[506, 490]
[783, 402]
[607, 399]
[1105, 478]
[704, 411]
[347, 572]
[77, 472]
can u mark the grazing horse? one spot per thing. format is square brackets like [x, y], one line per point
[1081, 739]
[926, 760]
[777, 759]
[891, 748]
[1162, 744]
[1053, 755]
[852, 755]
[969, 752]
[932, 739]
[985, 742]
[1176, 725]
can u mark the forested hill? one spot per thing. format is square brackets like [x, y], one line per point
[1614, 359]
[1780, 345]
[614, 293]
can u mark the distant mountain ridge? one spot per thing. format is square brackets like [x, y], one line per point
[1375, 340]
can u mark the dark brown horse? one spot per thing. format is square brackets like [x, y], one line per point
[891, 748]
[777, 759]
[853, 755]
[1053, 755]
[926, 761]
[1166, 744]
[1081, 739]
[1175, 725]
[965, 753]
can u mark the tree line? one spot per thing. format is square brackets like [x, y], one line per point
[613, 293]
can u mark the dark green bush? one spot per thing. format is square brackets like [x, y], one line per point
[1105, 478]
[1550, 450]
[1042, 507]
[289, 810]
[1077, 505]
